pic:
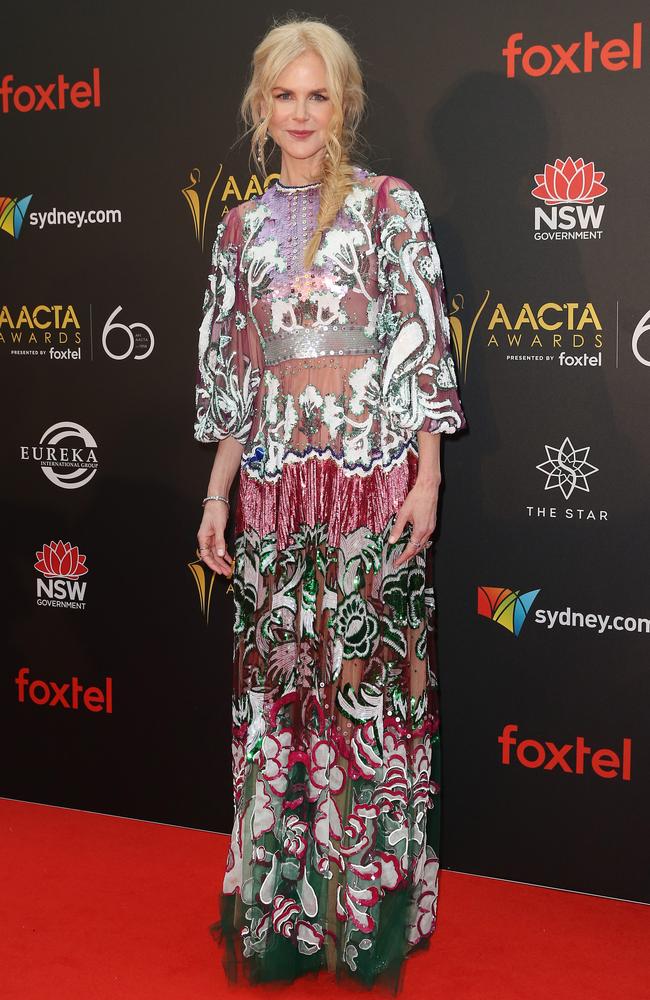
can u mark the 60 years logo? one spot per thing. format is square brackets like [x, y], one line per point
[643, 326]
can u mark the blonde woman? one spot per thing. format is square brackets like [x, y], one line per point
[325, 374]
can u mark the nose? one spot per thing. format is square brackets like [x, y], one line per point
[301, 113]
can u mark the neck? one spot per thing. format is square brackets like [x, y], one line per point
[296, 172]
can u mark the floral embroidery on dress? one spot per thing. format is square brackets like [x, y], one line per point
[325, 377]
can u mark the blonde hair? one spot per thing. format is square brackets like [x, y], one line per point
[283, 43]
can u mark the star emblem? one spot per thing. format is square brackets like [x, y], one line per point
[567, 468]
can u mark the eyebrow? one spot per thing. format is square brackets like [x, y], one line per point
[319, 90]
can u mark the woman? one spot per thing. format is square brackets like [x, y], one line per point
[326, 376]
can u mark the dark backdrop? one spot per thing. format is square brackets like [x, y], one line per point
[150, 635]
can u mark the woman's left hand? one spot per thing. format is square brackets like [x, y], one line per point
[419, 509]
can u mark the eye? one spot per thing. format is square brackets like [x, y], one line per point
[321, 97]
[284, 94]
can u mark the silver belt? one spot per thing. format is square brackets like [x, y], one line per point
[319, 341]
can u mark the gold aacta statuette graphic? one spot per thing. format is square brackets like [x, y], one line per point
[462, 347]
[204, 583]
[191, 195]
[204, 580]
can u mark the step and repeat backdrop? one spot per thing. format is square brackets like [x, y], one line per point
[524, 127]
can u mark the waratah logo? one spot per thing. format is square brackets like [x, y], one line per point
[61, 559]
[569, 182]
[12, 214]
[505, 607]
[567, 468]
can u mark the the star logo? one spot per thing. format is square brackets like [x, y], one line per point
[567, 468]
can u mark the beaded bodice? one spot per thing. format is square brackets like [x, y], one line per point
[346, 360]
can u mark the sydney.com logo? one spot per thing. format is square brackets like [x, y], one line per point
[509, 608]
[12, 214]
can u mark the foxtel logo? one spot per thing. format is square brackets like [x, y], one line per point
[604, 762]
[69, 695]
[539, 60]
[49, 96]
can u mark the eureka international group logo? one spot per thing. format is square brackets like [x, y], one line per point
[66, 453]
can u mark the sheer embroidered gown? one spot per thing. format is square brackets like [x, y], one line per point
[325, 377]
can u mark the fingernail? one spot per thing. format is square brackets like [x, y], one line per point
[219, 552]
[391, 538]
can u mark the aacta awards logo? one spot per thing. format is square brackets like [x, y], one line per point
[61, 565]
[12, 214]
[66, 453]
[567, 334]
[54, 96]
[199, 194]
[568, 189]
[44, 330]
[572, 758]
[567, 469]
[577, 57]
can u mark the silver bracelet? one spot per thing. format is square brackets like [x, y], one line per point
[205, 499]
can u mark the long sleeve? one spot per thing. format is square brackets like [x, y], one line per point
[418, 375]
[229, 354]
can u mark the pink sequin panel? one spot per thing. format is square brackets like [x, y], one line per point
[313, 491]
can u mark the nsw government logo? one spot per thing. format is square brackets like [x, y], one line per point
[568, 189]
[568, 471]
[66, 453]
[61, 565]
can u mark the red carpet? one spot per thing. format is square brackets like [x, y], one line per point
[100, 908]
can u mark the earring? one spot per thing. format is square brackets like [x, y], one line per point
[260, 147]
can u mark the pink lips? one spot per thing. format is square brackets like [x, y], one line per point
[299, 135]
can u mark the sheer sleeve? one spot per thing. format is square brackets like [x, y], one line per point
[419, 386]
[229, 353]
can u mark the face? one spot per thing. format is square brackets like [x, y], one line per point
[302, 108]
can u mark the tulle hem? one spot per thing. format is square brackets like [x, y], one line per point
[380, 969]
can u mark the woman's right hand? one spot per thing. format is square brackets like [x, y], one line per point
[212, 543]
